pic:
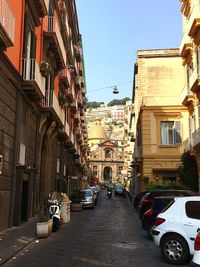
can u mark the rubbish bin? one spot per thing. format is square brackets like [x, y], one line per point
[65, 209]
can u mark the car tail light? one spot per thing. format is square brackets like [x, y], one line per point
[149, 212]
[197, 242]
[159, 221]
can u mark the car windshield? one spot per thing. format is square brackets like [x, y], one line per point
[87, 193]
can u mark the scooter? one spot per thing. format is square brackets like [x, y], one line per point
[109, 193]
[54, 211]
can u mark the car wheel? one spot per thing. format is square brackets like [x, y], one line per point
[174, 249]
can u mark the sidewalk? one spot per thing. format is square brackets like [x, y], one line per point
[15, 239]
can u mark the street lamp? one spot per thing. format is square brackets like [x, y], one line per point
[115, 90]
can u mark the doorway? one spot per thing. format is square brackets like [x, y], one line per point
[107, 174]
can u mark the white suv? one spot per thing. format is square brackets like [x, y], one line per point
[176, 228]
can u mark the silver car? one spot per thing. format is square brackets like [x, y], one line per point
[88, 200]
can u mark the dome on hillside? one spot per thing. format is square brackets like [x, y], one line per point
[97, 132]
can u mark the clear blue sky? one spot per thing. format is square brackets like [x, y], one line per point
[113, 31]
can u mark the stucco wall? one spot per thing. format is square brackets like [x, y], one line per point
[7, 144]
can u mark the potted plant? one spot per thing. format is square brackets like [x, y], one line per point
[76, 198]
[44, 68]
[44, 224]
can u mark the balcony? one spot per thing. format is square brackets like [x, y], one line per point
[82, 112]
[186, 53]
[42, 7]
[33, 82]
[78, 55]
[64, 132]
[82, 119]
[83, 91]
[196, 138]
[189, 102]
[51, 104]
[56, 44]
[77, 85]
[77, 118]
[80, 72]
[74, 106]
[194, 22]
[78, 133]
[65, 77]
[70, 94]
[7, 25]
[70, 49]
[80, 102]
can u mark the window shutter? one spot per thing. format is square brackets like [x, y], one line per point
[25, 35]
[178, 137]
[198, 60]
[33, 45]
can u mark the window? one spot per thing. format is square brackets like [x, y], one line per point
[58, 166]
[193, 209]
[189, 73]
[120, 169]
[107, 154]
[170, 132]
[29, 50]
[49, 90]
[192, 127]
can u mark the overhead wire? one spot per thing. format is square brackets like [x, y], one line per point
[112, 86]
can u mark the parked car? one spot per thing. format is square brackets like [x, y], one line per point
[176, 227]
[95, 193]
[119, 190]
[88, 200]
[196, 256]
[138, 197]
[95, 188]
[149, 217]
[147, 200]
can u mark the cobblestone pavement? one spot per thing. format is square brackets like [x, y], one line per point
[109, 235]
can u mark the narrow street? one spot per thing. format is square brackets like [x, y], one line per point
[108, 235]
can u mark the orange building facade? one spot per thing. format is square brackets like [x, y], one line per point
[43, 136]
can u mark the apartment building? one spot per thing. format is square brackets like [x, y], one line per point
[160, 118]
[43, 134]
[190, 53]
[117, 113]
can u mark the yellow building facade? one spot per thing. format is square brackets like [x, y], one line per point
[190, 53]
[160, 118]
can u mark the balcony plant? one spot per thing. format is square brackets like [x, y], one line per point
[62, 99]
[44, 68]
[76, 197]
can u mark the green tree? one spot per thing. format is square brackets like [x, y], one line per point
[94, 104]
[188, 172]
[115, 102]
